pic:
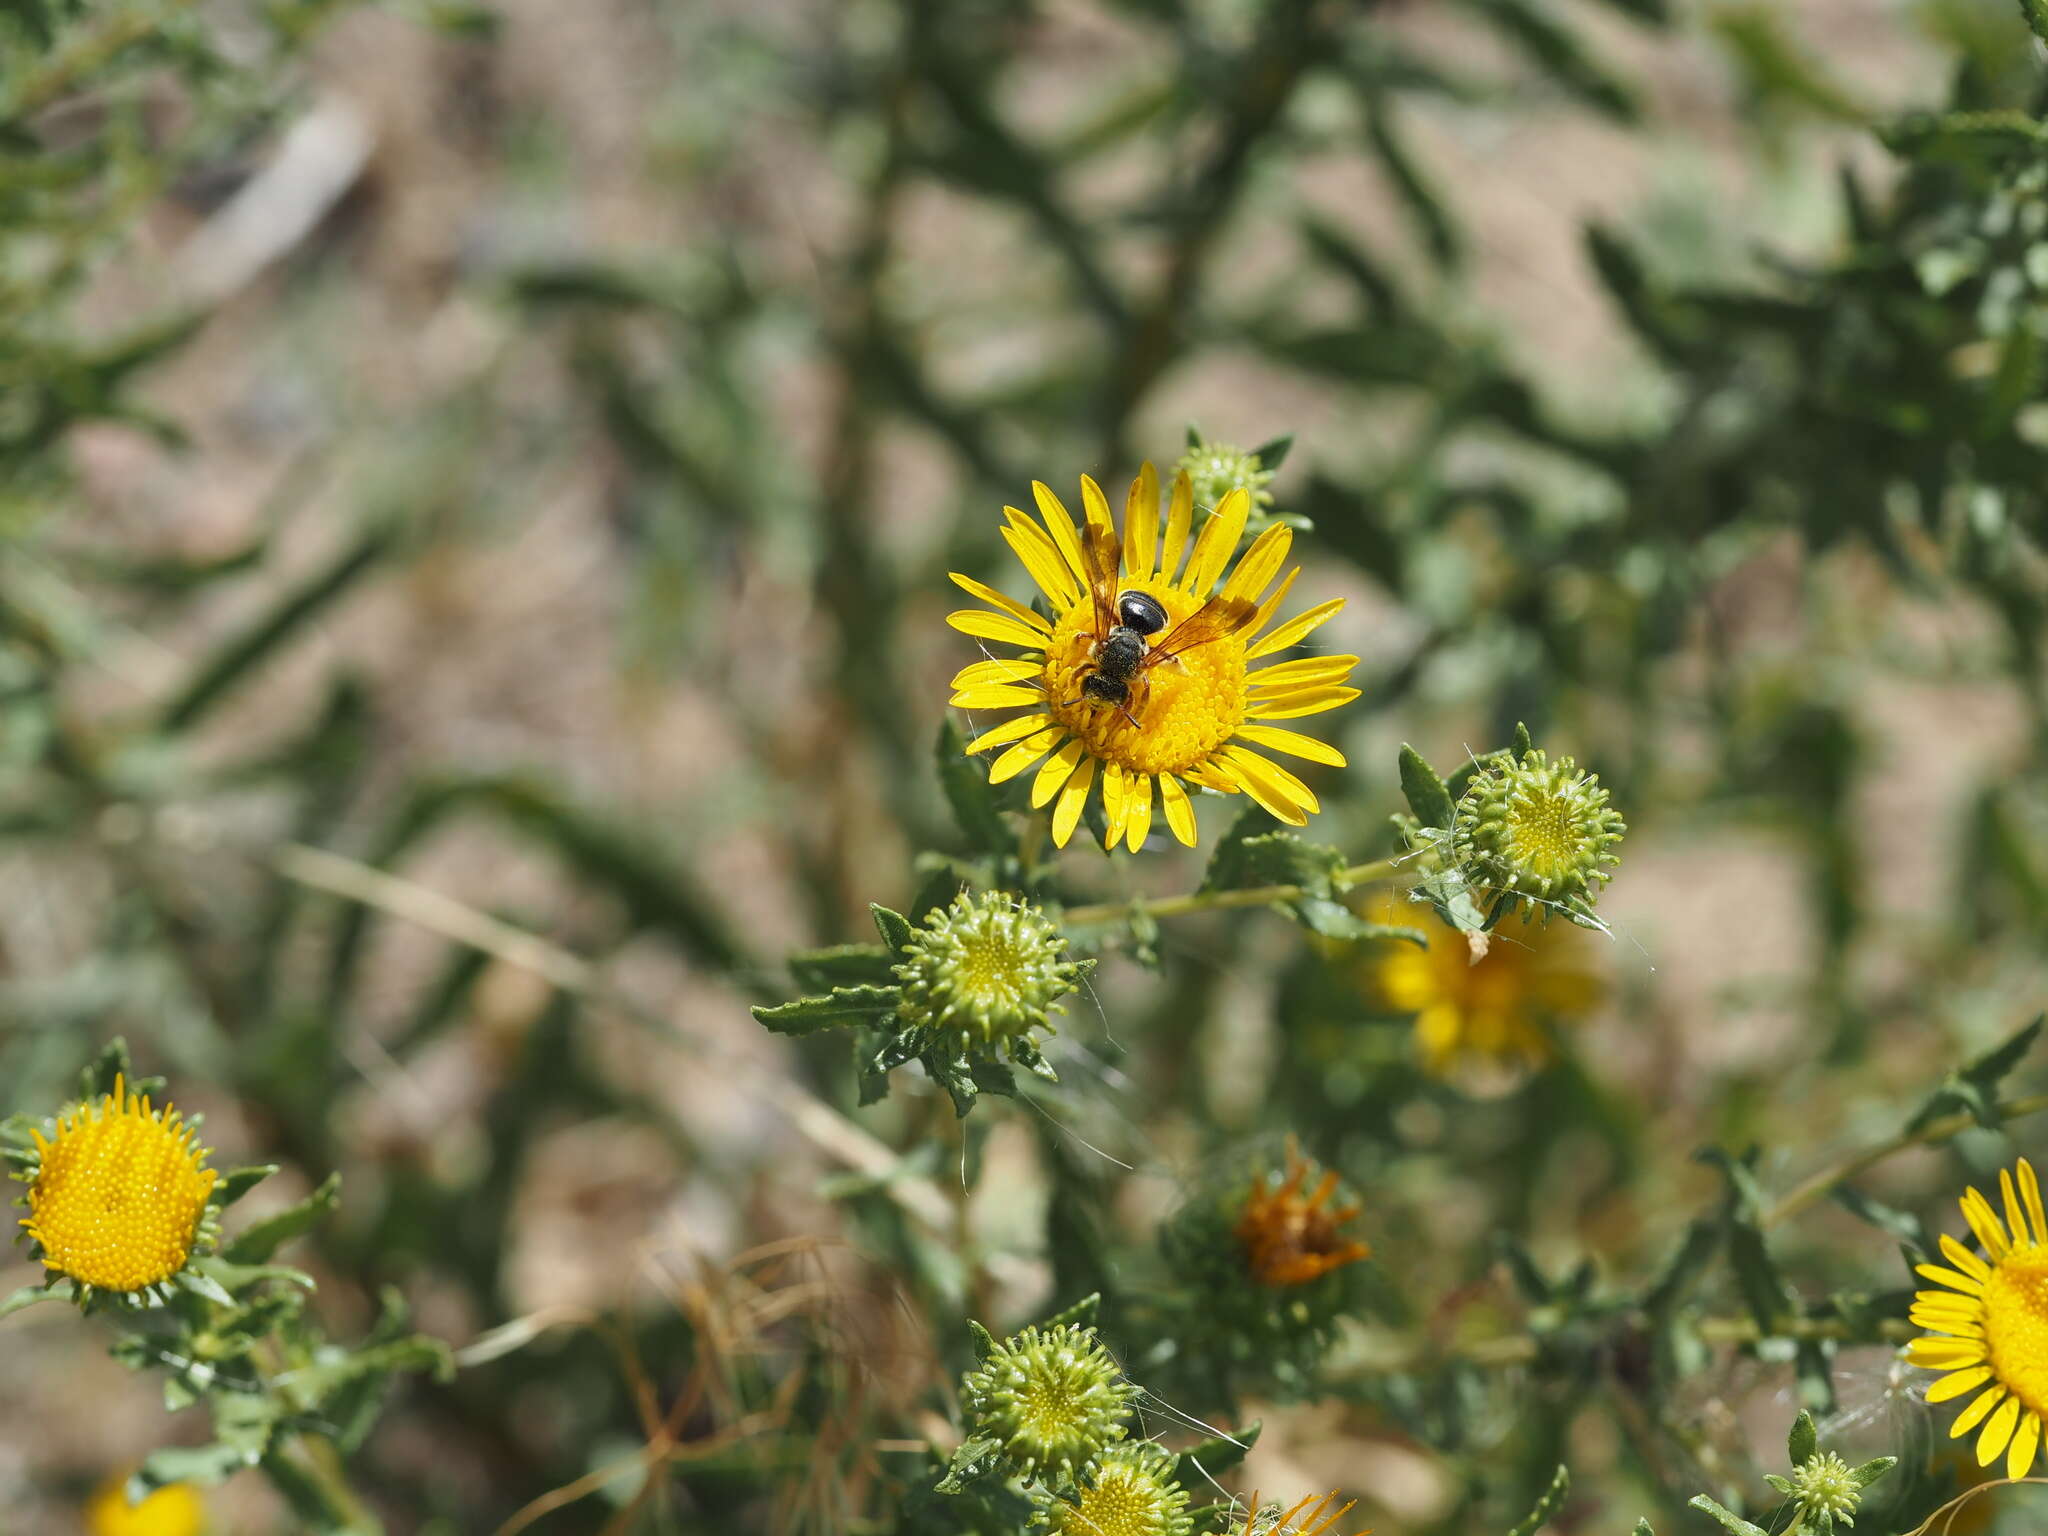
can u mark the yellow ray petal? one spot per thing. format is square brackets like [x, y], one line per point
[1217, 542]
[1061, 527]
[1295, 629]
[1141, 523]
[1942, 1320]
[1138, 805]
[1180, 816]
[1939, 1354]
[1984, 1222]
[995, 696]
[1113, 786]
[1180, 514]
[2030, 1191]
[1003, 669]
[1301, 672]
[1968, 1419]
[1279, 791]
[2015, 1218]
[1214, 773]
[1024, 754]
[1268, 608]
[1095, 505]
[1009, 731]
[995, 599]
[1293, 743]
[1305, 701]
[1997, 1434]
[1261, 563]
[2019, 1458]
[1072, 801]
[1035, 551]
[1957, 1383]
[984, 625]
[1056, 771]
[1953, 1279]
[1963, 1259]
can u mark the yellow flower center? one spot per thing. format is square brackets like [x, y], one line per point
[1184, 708]
[117, 1200]
[1543, 834]
[991, 970]
[2016, 1324]
[1124, 1501]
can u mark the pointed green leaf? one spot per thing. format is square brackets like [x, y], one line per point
[1728, 1518]
[1800, 1444]
[1424, 787]
[839, 1008]
[895, 929]
[259, 1242]
[968, 792]
[1197, 1466]
[1546, 1506]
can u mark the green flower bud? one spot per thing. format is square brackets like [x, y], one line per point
[1826, 1487]
[1217, 469]
[1132, 1493]
[984, 973]
[1536, 828]
[1052, 1398]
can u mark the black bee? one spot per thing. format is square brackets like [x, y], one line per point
[1123, 652]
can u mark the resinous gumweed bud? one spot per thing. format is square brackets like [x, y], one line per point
[1217, 469]
[1133, 1492]
[1052, 1398]
[1537, 828]
[985, 972]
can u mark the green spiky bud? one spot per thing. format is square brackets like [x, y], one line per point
[1133, 1492]
[1539, 829]
[1053, 1399]
[983, 973]
[1217, 469]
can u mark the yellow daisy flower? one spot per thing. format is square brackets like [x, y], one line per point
[1482, 1011]
[173, 1510]
[118, 1199]
[1989, 1329]
[1197, 717]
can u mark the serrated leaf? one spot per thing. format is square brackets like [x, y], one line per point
[206, 1465]
[894, 927]
[837, 1009]
[316, 1503]
[1546, 1506]
[1424, 788]
[2035, 14]
[1249, 857]
[1728, 1518]
[1872, 1470]
[260, 1241]
[1643, 1527]
[1334, 920]
[1973, 1087]
[237, 1182]
[1903, 1225]
[977, 1457]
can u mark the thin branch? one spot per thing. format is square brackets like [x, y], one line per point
[1217, 901]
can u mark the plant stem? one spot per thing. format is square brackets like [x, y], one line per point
[1216, 901]
[1821, 1184]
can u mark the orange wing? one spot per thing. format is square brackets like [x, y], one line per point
[1215, 619]
[1102, 555]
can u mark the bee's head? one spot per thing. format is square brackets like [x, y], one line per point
[1141, 611]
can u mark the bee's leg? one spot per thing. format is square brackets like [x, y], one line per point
[1141, 692]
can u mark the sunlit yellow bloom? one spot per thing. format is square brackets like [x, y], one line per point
[1198, 717]
[117, 1199]
[1989, 1328]
[173, 1510]
[1475, 1010]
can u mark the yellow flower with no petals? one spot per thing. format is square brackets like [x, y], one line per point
[117, 1199]
[1482, 1009]
[172, 1510]
[1989, 1328]
[1198, 717]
